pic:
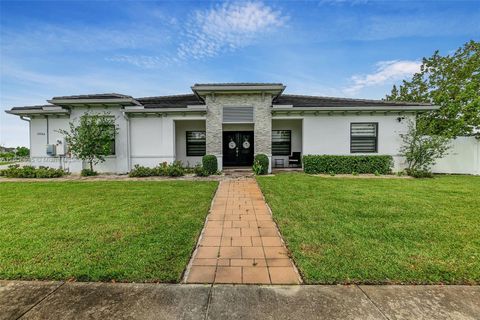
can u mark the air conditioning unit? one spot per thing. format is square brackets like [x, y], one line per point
[51, 150]
[60, 148]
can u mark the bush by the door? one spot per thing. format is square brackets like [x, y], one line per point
[209, 163]
[260, 164]
[347, 164]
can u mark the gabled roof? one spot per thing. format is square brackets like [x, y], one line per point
[174, 101]
[318, 101]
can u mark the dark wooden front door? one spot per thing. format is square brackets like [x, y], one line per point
[237, 148]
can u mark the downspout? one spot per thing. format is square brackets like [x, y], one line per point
[129, 158]
[29, 134]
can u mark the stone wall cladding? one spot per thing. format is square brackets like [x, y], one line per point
[262, 117]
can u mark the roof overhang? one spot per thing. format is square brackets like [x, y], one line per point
[43, 111]
[202, 90]
[284, 109]
[202, 110]
[91, 102]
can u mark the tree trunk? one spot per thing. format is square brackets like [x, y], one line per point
[91, 164]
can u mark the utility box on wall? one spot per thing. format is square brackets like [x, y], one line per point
[51, 150]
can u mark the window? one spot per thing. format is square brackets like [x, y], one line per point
[196, 143]
[112, 140]
[363, 137]
[281, 142]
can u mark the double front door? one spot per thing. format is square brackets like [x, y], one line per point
[237, 148]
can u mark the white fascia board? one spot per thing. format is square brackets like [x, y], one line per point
[37, 111]
[238, 88]
[164, 110]
[362, 108]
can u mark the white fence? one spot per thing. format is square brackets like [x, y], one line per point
[462, 158]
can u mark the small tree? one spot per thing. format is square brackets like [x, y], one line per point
[91, 140]
[422, 151]
[22, 152]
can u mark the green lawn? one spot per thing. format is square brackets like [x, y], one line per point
[344, 230]
[100, 231]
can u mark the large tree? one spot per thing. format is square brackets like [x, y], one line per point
[92, 138]
[451, 82]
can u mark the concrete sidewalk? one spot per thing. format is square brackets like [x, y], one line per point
[59, 300]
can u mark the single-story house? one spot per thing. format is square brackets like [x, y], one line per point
[233, 121]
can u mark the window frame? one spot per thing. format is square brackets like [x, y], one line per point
[365, 138]
[289, 144]
[187, 151]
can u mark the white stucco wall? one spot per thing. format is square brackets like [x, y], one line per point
[181, 128]
[462, 158]
[330, 135]
[39, 135]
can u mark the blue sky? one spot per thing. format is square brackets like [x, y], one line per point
[334, 48]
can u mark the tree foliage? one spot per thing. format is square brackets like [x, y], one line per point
[22, 152]
[451, 82]
[91, 140]
[421, 151]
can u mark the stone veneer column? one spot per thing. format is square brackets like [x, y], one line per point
[214, 129]
[263, 126]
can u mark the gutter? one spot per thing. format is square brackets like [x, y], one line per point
[289, 108]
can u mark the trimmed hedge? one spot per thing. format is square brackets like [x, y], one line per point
[209, 163]
[347, 164]
[173, 169]
[15, 171]
[260, 164]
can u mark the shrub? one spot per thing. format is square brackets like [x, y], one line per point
[422, 151]
[347, 164]
[260, 164]
[15, 171]
[161, 170]
[88, 173]
[210, 164]
[175, 169]
[200, 171]
[140, 171]
[419, 173]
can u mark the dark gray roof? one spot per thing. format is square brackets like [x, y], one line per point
[176, 101]
[317, 101]
[93, 96]
[38, 107]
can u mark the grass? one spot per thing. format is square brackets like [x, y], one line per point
[360, 230]
[141, 231]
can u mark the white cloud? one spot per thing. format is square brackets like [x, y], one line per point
[228, 26]
[386, 72]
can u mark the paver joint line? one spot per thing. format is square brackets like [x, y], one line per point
[240, 242]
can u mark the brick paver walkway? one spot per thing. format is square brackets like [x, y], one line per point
[240, 242]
